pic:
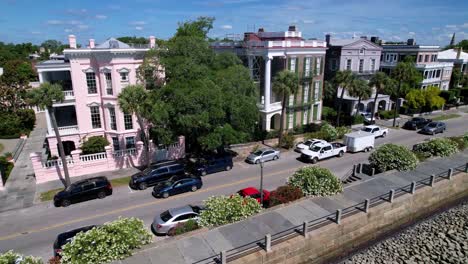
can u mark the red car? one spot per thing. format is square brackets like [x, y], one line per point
[254, 193]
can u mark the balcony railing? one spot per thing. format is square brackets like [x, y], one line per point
[69, 95]
[57, 162]
[66, 130]
[273, 106]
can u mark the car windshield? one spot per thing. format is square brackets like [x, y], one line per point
[315, 148]
[258, 153]
[366, 129]
[308, 142]
[166, 216]
[432, 125]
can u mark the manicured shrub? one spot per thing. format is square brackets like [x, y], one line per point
[11, 257]
[288, 141]
[111, 241]
[460, 141]
[441, 147]
[342, 130]
[421, 156]
[285, 194]
[318, 134]
[387, 114]
[181, 228]
[391, 156]
[315, 181]
[359, 119]
[94, 144]
[329, 132]
[221, 210]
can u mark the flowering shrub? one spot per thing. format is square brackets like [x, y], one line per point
[441, 147]
[288, 141]
[315, 181]
[285, 194]
[114, 240]
[11, 257]
[185, 227]
[342, 130]
[221, 210]
[329, 132]
[462, 142]
[391, 156]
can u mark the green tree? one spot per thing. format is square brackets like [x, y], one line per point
[433, 100]
[17, 72]
[94, 144]
[132, 100]
[415, 99]
[285, 83]
[150, 73]
[344, 80]
[134, 40]
[53, 46]
[361, 90]
[44, 97]
[381, 84]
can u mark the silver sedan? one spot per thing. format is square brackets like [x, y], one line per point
[266, 154]
[169, 219]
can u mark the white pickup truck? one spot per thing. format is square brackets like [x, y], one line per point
[376, 130]
[322, 151]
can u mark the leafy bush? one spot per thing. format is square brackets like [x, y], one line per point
[114, 240]
[359, 119]
[94, 144]
[10, 125]
[342, 130]
[460, 141]
[421, 156]
[272, 134]
[6, 166]
[27, 118]
[221, 210]
[318, 134]
[441, 147]
[11, 257]
[391, 156]
[285, 194]
[387, 114]
[315, 181]
[328, 113]
[288, 141]
[181, 228]
[329, 132]
[465, 137]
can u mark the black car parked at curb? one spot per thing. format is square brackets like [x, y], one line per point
[416, 123]
[179, 184]
[156, 173]
[211, 164]
[66, 237]
[97, 187]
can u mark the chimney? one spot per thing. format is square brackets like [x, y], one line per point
[459, 51]
[327, 39]
[374, 39]
[152, 41]
[91, 43]
[364, 37]
[411, 42]
[292, 28]
[72, 41]
[261, 30]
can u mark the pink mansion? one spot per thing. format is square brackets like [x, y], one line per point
[92, 78]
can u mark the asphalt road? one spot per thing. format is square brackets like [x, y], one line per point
[32, 231]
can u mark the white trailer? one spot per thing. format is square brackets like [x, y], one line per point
[359, 141]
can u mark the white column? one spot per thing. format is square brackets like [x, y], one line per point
[267, 90]
[250, 61]
[41, 79]
[49, 124]
[319, 111]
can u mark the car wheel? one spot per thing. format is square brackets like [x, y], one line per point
[228, 168]
[142, 186]
[340, 154]
[275, 157]
[366, 150]
[203, 173]
[194, 188]
[257, 161]
[384, 135]
[66, 203]
[101, 195]
[165, 195]
[314, 160]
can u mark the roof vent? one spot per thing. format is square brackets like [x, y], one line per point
[292, 28]
[411, 42]
[261, 30]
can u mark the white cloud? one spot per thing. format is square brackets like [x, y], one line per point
[36, 32]
[226, 27]
[82, 27]
[55, 22]
[451, 26]
[308, 21]
[465, 25]
[139, 28]
[74, 22]
[138, 23]
[101, 16]
[68, 30]
[411, 33]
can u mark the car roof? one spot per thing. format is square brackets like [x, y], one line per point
[321, 144]
[250, 190]
[181, 210]
[372, 126]
[164, 163]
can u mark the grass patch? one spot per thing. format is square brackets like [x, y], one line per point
[445, 117]
[49, 195]
[1, 147]
[120, 181]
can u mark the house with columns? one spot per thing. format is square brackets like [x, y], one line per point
[266, 54]
[362, 57]
[92, 78]
[435, 72]
[458, 58]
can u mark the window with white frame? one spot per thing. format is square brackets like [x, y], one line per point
[128, 121]
[290, 120]
[426, 58]
[361, 65]
[361, 51]
[426, 74]
[124, 76]
[291, 100]
[306, 92]
[438, 73]
[95, 117]
[293, 65]
[108, 77]
[420, 58]
[316, 90]
[129, 142]
[348, 64]
[91, 82]
[113, 121]
[305, 116]
[372, 65]
[307, 67]
[319, 64]
[115, 143]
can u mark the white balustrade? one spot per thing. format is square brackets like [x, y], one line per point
[57, 162]
[66, 130]
[123, 152]
[93, 157]
[69, 94]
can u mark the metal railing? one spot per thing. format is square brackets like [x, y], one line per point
[304, 228]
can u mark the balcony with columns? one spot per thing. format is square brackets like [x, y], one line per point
[65, 117]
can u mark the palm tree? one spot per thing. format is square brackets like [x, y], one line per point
[343, 80]
[382, 84]
[132, 101]
[361, 90]
[405, 73]
[44, 97]
[285, 83]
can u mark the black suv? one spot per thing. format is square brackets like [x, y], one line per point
[212, 164]
[67, 237]
[97, 187]
[416, 123]
[156, 173]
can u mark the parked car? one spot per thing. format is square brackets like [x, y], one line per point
[254, 193]
[323, 151]
[359, 141]
[97, 187]
[306, 144]
[66, 237]
[169, 219]
[265, 154]
[156, 173]
[434, 128]
[416, 123]
[376, 130]
[179, 184]
[212, 164]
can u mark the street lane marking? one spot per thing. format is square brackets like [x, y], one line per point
[7, 237]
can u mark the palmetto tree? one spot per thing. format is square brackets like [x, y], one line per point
[361, 90]
[44, 97]
[132, 100]
[344, 80]
[285, 83]
[382, 84]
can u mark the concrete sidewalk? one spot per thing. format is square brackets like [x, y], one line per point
[202, 247]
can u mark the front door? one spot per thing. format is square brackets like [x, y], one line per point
[68, 147]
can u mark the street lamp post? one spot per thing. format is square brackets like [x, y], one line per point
[261, 182]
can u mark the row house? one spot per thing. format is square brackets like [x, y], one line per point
[435, 73]
[266, 54]
[458, 58]
[92, 78]
[362, 57]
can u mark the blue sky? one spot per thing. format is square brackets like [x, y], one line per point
[429, 21]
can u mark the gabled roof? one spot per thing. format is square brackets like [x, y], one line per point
[451, 54]
[350, 42]
[112, 43]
